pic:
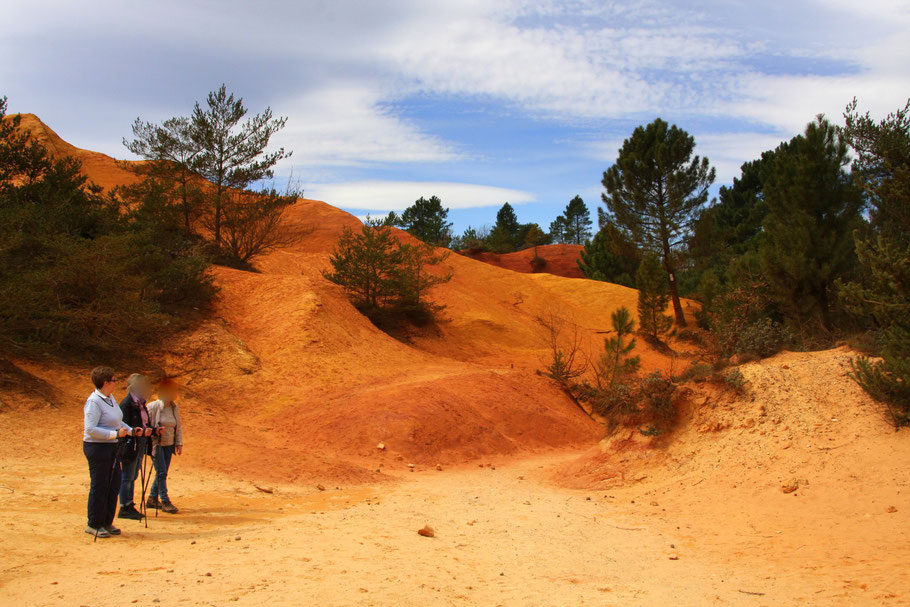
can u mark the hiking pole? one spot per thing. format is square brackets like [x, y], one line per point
[110, 480]
[143, 510]
[146, 483]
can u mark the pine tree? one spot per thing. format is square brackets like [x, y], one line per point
[575, 222]
[653, 297]
[882, 167]
[732, 226]
[886, 297]
[426, 220]
[170, 151]
[558, 230]
[616, 363]
[367, 264]
[385, 279]
[232, 154]
[655, 190]
[611, 256]
[813, 208]
[505, 236]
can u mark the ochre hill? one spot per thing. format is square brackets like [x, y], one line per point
[101, 168]
[287, 365]
[558, 259]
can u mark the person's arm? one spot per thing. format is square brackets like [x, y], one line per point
[153, 418]
[178, 431]
[92, 415]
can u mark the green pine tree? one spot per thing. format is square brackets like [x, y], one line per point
[813, 208]
[611, 256]
[653, 297]
[655, 190]
[506, 235]
[574, 225]
[426, 220]
[232, 154]
[882, 167]
[882, 170]
[886, 297]
[169, 150]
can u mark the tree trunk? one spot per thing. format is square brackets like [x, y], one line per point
[825, 307]
[674, 290]
[677, 306]
[186, 203]
[218, 217]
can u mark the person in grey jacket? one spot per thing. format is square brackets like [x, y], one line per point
[165, 416]
[103, 425]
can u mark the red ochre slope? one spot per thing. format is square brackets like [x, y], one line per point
[559, 259]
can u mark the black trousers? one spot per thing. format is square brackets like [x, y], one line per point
[104, 469]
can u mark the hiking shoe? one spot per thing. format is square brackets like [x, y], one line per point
[112, 530]
[130, 512]
[152, 502]
[168, 507]
[99, 532]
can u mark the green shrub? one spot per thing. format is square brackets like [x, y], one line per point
[80, 271]
[760, 339]
[734, 379]
[387, 281]
[653, 297]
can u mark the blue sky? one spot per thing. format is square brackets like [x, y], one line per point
[478, 102]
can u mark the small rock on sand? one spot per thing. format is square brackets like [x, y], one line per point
[426, 531]
[381, 446]
[891, 510]
[320, 487]
[790, 486]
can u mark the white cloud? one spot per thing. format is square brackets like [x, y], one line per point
[338, 68]
[345, 126]
[728, 151]
[384, 196]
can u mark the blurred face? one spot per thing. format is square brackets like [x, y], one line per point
[142, 389]
[167, 395]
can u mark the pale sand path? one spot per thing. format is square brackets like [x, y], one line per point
[501, 540]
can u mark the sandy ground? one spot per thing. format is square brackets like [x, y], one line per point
[504, 536]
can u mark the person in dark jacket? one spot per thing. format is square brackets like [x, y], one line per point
[136, 415]
[102, 426]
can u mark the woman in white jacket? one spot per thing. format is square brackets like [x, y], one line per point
[164, 415]
[102, 426]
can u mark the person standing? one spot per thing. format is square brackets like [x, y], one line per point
[135, 414]
[165, 415]
[102, 426]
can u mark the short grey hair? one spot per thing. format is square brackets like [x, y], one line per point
[134, 379]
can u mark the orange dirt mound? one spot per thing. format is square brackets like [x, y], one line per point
[559, 259]
[100, 168]
[287, 365]
[801, 471]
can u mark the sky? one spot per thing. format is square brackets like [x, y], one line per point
[477, 102]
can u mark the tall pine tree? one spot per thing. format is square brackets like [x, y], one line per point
[655, 190]
[506, 235]
[232, 154]
[574, 225]
[813, 208]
